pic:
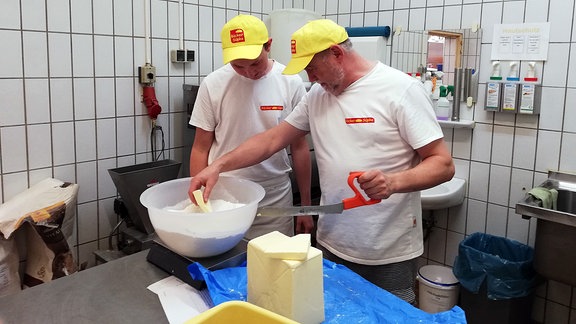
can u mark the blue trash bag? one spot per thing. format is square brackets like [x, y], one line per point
[348, 298]
[505, 265]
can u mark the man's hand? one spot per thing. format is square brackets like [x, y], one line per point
[206, 178]
[304, 224]
[376, 184]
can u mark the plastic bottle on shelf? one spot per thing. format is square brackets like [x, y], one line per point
[443, 106]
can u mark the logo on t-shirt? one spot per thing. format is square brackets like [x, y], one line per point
[264, 108]
[237, 36]
[359, 120]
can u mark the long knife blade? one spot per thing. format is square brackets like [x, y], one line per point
[299, 210]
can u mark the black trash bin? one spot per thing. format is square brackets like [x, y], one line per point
[497, 279]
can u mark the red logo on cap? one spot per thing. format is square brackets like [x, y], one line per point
[237, 36]
[293, 46]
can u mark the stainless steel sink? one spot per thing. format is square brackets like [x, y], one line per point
[555, 244]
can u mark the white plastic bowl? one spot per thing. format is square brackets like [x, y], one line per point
[202, 234]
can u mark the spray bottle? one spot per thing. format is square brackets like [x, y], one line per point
[443, 106]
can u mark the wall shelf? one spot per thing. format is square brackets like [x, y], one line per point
[457, 124]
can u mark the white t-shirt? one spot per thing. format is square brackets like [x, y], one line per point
[236, 108]
[376, 123]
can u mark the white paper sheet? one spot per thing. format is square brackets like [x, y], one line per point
[179, 300]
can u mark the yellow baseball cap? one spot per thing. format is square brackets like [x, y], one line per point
[242, 38]
[314, 37]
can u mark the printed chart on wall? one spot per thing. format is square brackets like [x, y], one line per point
[521, 42]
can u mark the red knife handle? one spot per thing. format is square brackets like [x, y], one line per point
[358, 200]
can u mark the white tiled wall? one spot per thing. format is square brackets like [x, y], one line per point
[71, 108]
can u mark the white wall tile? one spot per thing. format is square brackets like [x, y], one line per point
[63, 143]
[122, 18]
[61, 104]
[138, 17]
[85, 140]
[65, 173]
[548, 151]
[104, 55]
[125, 138]
[159, 25]
[452, 17]
[105, 105]
[107, 218]
[37, 107]
[81, 12]
[139, 54]
[489, 19]
[87, 182]
[173, 21]
[517, 227]
[502, 142]
[58, 15]
[123, 57]
[568, 153]
[33, 15]
[520, 183]
[36, 176]
[401, 19]
[510, 12]
[554, 71]
[536, 11]
[552, 108]
[471, 15]
[39, 146]
[12, 94]
[205, 20]
[478, 188]
[417, 19]
[35, 54]
[84, 107]
[10, 14]
[437, 245]
[524, 148]
[103, 17]
[452, 244]
[572, 67]
[142, 134]
[159, 57]
[457, 218]
[87, 222]
[13, 184]
[482, 142]
[562, 17]
[13, 148]
[106, 187]
[476, 221]
[11, 54]
[125, 96]
[59, 54]
[191, 24]
[106, 135]
[462, 143]
[496, 220]
[570, 111]
[82, 55]
[499, 188]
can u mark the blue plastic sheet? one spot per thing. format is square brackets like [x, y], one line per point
[348, 298]
[503, 264]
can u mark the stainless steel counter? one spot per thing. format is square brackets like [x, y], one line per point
[114, 292]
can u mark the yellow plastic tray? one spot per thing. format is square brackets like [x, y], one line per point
[239, 312]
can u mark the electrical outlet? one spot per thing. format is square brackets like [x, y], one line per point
[147, 74]
[189, 56]
[178, 56]
[181, 56]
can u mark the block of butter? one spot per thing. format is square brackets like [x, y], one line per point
[285, 276]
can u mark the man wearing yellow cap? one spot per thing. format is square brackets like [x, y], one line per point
[246, 96]
[362, 116]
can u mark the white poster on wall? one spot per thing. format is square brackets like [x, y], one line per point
[513, 42]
